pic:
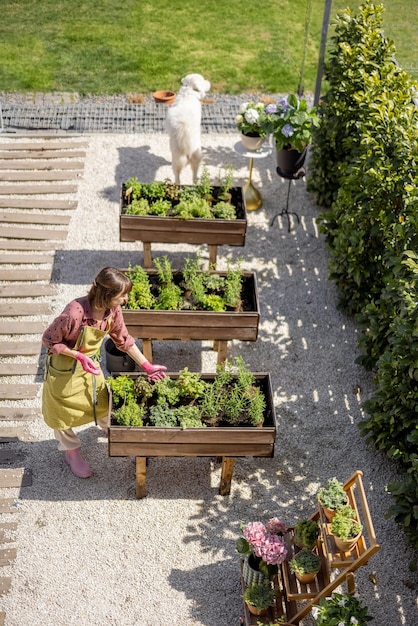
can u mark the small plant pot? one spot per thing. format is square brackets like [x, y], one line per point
[252, 143]
[346, 546]
[164, 96]
[306, 578]
[253, 609]
[329, 513]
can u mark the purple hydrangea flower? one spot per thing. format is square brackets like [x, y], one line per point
[288, 130]
[271, 108]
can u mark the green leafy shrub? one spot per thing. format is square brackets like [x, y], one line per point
[140, 297]
[363, 171]
[123, 389]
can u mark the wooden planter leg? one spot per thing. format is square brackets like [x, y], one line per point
[147, 349]
[141, 476]
[213, 252]
[351, 583]
[147, 256]
[222, 351]
[215, 345]
[226, 475]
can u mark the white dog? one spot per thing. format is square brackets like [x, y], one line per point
[183, 125]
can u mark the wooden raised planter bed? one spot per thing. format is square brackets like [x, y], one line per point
[214, 232]
[221, 441]
[198, 325]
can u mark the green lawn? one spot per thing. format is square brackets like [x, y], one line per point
[138, 46]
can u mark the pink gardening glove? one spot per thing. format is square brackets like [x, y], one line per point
[155, 372]
[88, 364]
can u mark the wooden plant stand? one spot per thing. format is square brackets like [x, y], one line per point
[336, 567]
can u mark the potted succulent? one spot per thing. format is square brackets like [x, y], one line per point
[341, 609]
[305, 565]
[259, 597]
[345, 528]
[291, 123]
[306, 533]
[252, 123]
[332, 497]
[264, 549]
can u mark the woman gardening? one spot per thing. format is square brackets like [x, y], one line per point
[74, 391]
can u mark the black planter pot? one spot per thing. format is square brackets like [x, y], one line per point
[289, 162]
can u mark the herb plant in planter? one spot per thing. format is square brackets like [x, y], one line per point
[259, 597]
[305, 565]
[192, 304]
[345, 528]
[306, 533]
[332, 497]
[163, 212]
[232, 398]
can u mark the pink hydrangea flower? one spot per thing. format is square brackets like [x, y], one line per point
[272, 549]
[276, 526]
[254, 532]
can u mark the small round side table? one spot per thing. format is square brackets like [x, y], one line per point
[252, 196]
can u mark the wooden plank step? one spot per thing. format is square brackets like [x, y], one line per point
[36, 203]
[7, 505]
[7, 527]
[20, 348]
[38, 176]
[32, 274]
[17, 477]
[22, 328]
[8, 190]
[12, 434]
[22, 309]
[15, 413]
[18, 392]
[31, 245]
[34, 218]
[22, 259]
[19, 369]
[26, 291]
[9, 232]
[5, 585]
[44, 145]
[42, 154]
[7, 556]
[41, 165]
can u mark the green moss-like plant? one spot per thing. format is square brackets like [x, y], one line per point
[306, 533]
[305, 562]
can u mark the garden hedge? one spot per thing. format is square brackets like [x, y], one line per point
[364, 175]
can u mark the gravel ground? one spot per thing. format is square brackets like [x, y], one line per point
[90, 553]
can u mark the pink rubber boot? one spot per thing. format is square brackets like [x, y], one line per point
[78, 465]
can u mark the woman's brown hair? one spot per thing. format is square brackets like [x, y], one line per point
[108, 284]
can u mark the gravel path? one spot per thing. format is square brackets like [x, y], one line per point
[89, 552]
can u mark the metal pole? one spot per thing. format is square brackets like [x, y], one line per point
[325, 23]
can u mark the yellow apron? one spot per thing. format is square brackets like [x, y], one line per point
[70, 396]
